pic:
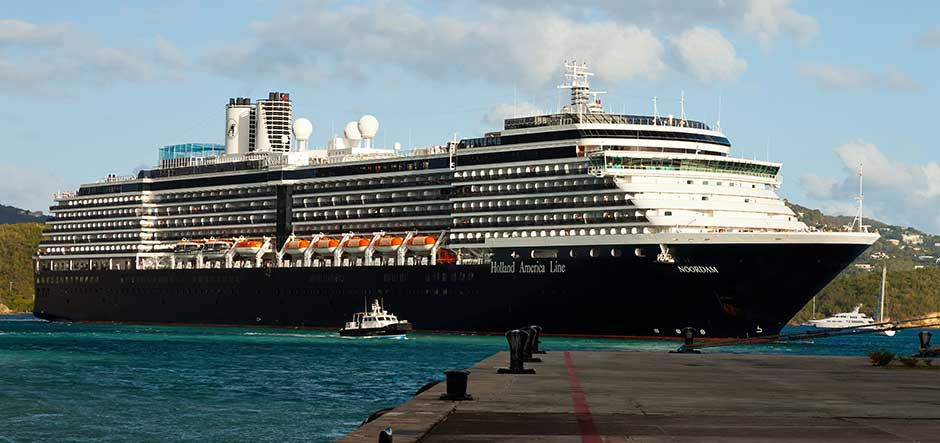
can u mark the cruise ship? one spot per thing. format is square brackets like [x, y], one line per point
[583, 221]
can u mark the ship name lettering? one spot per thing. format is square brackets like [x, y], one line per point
[502, 268]
[698, 269]
[535, 268]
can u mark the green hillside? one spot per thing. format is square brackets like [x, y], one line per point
[913, 273]
[18, 244]
[10, 214]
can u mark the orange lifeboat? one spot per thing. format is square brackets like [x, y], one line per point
[421, 243]
[356, 245]
[296, 247]
[325, 246]
[388, 244]
[248, 247]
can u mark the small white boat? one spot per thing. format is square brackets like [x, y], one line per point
[852, 319]
[375, 322]
[859, 320]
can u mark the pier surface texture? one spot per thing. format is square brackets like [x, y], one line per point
[647, 397]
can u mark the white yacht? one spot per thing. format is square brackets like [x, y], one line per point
[844, 320]
[858, 319]
[375, 322]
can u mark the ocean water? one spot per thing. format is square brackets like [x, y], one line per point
[123, 383]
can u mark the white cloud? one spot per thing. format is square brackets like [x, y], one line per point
[18, 32]
[707, 55]
[766, 20]
[930, 39]
[499, 44]
[828, 76]
[495, 115]
[769, 19]
[895, 192]
[47, 58]
[168, 54]
[26, 188]
[820, 188]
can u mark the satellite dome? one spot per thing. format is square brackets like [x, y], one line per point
[302, 129]
[351, 131]
[368, 126]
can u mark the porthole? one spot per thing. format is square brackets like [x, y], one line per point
[593, 252]
[615, 252]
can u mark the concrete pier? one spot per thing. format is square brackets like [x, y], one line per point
[630, 397]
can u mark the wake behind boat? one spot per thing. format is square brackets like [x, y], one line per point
[375, 322]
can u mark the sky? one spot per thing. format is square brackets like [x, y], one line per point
[95, 88]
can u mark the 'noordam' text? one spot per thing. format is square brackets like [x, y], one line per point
[698, 269]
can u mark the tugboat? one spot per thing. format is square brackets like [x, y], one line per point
[375, 322]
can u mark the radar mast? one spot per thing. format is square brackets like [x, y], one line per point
[583, 100]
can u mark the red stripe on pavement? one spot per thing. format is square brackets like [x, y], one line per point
[581, 410]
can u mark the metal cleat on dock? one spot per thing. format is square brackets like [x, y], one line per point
[386, 435]
[517, 339]
[537, 341]
[925, 349]
[457, 385]
[688, 334]
[530, 345]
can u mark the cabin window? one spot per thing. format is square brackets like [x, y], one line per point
[667, 213]
[544, 253]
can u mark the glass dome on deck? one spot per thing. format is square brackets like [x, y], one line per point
[191, 150]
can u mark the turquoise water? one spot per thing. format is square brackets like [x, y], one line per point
[123, 383]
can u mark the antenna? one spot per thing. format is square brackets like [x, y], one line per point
[576, 79]
[682, 107]
[881, 302]
[718, 123]
[655, 112]
[861, 198]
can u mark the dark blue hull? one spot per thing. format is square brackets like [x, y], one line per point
[727, 290]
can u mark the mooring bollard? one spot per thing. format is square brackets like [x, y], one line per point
[925, 349]
[517, 339]
[457, 385]
[529, 346]
[537, 341]
[386, 435]
[688, 336]
[924, 337]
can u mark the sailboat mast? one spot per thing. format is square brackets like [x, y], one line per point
[881, 303]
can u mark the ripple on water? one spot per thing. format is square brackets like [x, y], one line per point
[129, 383]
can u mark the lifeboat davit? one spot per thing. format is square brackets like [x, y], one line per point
[296, 247]
[356, 245]
[388, 244]
[187, 247]
[215, 248]
[421, 243]
[325, 246]
[248, 247]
